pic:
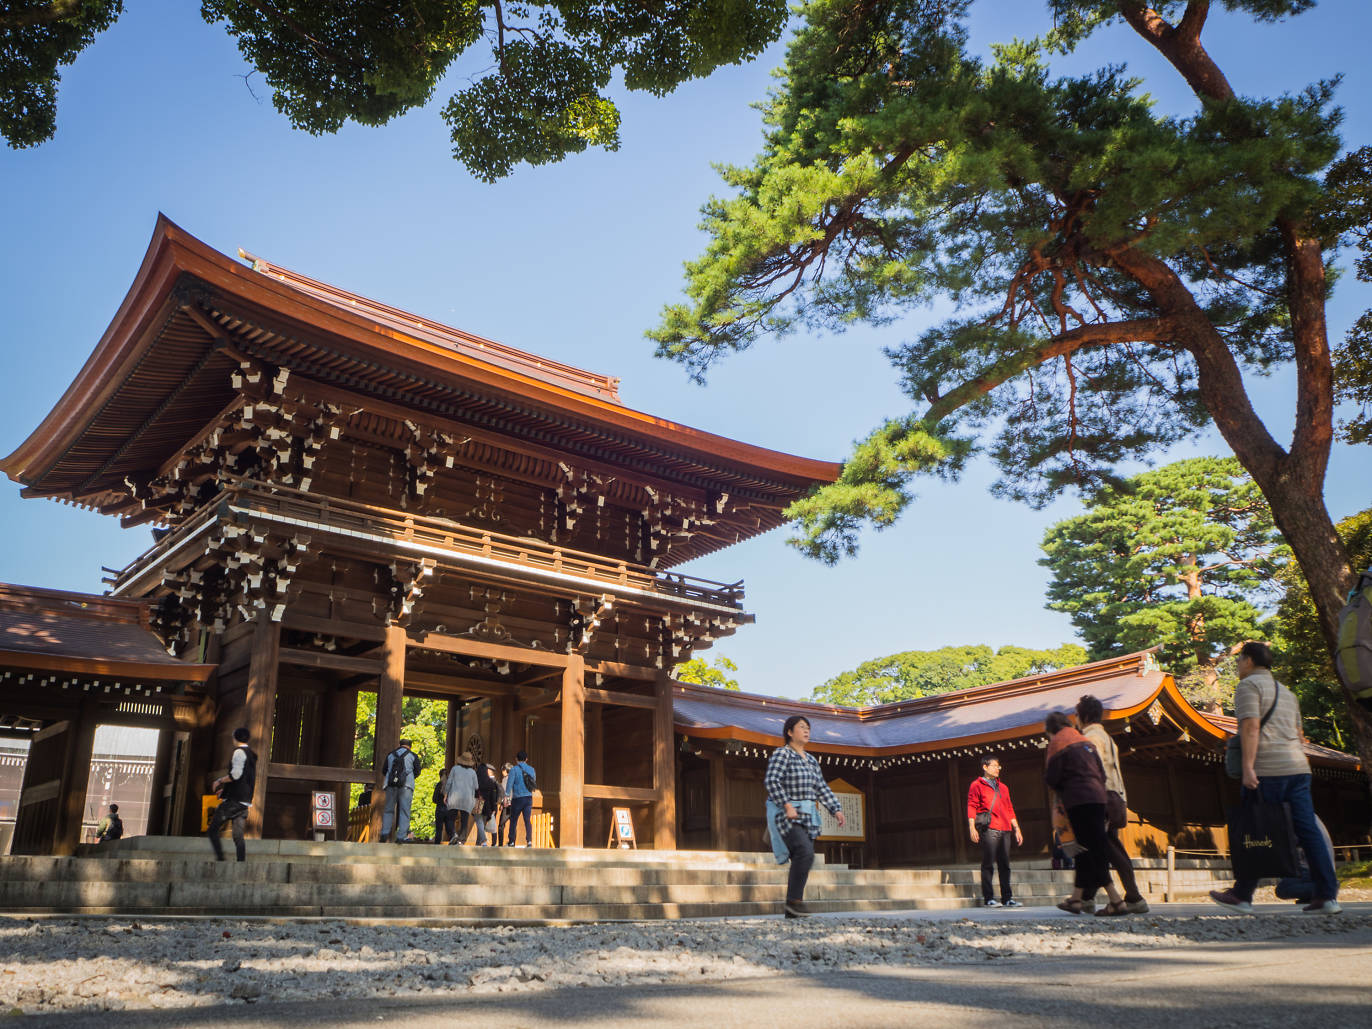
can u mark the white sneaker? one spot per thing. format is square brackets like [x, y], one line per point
[1323, 907]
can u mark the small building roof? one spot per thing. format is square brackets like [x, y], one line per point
[81, 634]
[1126, 686]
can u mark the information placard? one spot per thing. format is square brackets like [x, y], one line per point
[853, 804]
[622, 829]
[322, 805]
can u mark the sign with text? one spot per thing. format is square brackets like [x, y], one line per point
[622, 829]
[854, 807]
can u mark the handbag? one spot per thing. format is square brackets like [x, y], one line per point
[1262, 841]
[1063, 834]
[1233, 747]
[1116, 811]
[982, 821]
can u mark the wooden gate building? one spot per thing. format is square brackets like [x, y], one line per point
[350, 497]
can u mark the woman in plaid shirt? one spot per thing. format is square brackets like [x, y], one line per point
[794, 783]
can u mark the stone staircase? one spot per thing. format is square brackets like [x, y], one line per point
[155, 876]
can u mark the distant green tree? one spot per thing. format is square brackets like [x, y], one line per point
[697, 671]
[1180, 556]
[1302, 660]
[426, 726]
[542, 96]
[921, 673]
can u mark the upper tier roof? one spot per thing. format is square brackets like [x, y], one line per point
[161, 372]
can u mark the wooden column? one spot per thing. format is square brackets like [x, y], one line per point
[719, 803]
[571, 802]
[261, 711]
[453, 730]
[957, 800]
[504, 730]
[390, 697]
[664, 765]
[76, 774]
[162, 785]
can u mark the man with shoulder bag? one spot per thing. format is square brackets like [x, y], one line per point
[1273, 770]
[991, 821]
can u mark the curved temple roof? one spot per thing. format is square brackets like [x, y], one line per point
[1127, 686]
[160, 371]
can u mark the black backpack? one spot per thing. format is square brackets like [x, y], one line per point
[115, 830]
[399, 767]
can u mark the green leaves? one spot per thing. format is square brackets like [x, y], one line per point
[36, 38]
[541, 97]
[714, 674]
[1181, 556]
[923, 673]
[1091, 246]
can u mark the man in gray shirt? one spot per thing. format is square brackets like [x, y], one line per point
[1275, 767]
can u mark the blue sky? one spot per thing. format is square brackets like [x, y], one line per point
[573, 261]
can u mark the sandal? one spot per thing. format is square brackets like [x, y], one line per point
[1111, 910]
[1072, 907]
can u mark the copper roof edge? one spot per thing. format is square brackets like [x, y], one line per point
[1093, 671]
[172, 252]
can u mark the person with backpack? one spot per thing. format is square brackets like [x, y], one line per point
[398, 773]
[520, 788]
[1274, 768]
[235, 789]
[111, 826]
[991, 821]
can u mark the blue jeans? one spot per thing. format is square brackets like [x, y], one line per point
[525, 806]
[1295, 791]
[397, 809]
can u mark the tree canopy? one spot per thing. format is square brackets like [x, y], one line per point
[713, 674]
[1116, 273]
[1181, 556]
[543, 96]
[921, 673]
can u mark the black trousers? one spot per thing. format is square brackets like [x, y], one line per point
[802, 849]
[1093, 864]
[236, 813]
[1123, 866]
[459, 822]
[995, 851]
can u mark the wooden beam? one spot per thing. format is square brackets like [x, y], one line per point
[326, 659]
[321, 773]
[621, 670]
[633, 794]
[334, 627]
[664, 766]
[621, 699]
[536, 699]
[390, 695]
[261, 710]
[571, 807]
[493, 651]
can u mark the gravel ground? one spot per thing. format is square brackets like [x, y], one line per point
[92, 964]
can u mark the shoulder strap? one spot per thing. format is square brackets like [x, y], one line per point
[1276, 696]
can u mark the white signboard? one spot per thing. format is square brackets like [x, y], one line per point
[854, 808]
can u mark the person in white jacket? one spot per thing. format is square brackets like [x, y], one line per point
[461, 796]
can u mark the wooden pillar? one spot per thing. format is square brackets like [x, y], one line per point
[957, 802]
[453, 730]
[664, 765]
[571, 795]
[1174, 796]
[260, 711]
[719, 803]
[76, 774]
[162, 785]
[390, 698]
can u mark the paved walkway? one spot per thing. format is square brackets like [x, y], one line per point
[1307, 980]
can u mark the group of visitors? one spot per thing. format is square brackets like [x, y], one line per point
[471, 793]
[1088, 802]
[468, 794]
